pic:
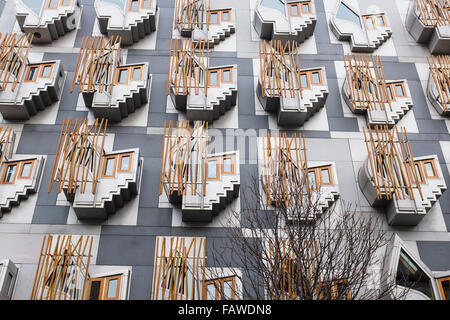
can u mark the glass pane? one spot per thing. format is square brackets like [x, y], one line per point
[274, 4]
[227, 165]
[312, 179]
[112, 288]
[429, 169]
[146, 4]
[345, 13]
[9, 176]
[419, 175]
[34, 5]
[325, 176]
[226, 75]
[399, 90]
[134, 4]
[294, 10]
[305, 8]
[410, 275]
[315, 78]
[304, 80]
[95, 290]
[136, 73]
[214, 18]
[228, 289]
[125, 163]
[32, 73]
[110, 164]
[123, 75]
[46, 71]
[212, 169]
[26, 169]
[389, 93]
[445, 285]
[213, 78]
[211, 292]
[369, 22]
[380, 21]
[225, 16]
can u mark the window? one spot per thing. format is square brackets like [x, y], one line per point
[345, 13]
[125, 162]
[410, 275]
[218, 16]
[316, 79]
[320, 176]
[38, 70]
[226, 75]
[220, 289]
[325, 175]
[122, 76]
[213, 79]
[396, 90]
[214, 17]
[430, 170]
[312, 179]
[137, 73]
[299, 8]
[425, 169]
[213, 172]
[372, 22]
[134, 5]
[9, 173]
[109, 166]
[444, 287]
[146, 4]
[46, 70]
[216, 76]
[312, 77]
[228, 165]
[304, 80]
[52, 4]
[26, 169]
[220, 165]
[335, 290]
[104, 288]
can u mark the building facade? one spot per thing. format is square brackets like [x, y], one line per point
[132, 130]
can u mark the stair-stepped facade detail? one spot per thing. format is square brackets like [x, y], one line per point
[365, 32]
[114, 90]
[26, 87]
[201, 184]
[48, 20]
[20, 175]
[201, 21]
[438, 88]
[285, 20]
[428, 22]
[96, 182]
[366, 91]
[293, 94]
[393, 178]
[291, 182]
[205, 93]
[132, 20]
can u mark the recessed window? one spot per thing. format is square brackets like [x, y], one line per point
[211, 292]
[125, 162]
[325, 175]
[429, 169]
[146, 3]
[410, 275]
[52, 4]
[399, 90]
[9, 175]
[112, 288]
[95, 287]
[226, 15]
[228, 166]
[294, 10]
[228, 289]
[213, 79]
[220, 289]
[104, 288]
[122, 77]
[380, 21]
[369, 23]
[214, 18]
[444, 287]
[46, 70]
[134, 5]
[312, 179]
[305, 8]
[109, 166]
[226, 75]
[32, 73]
[25, 172]
[212, 169]
[304, 80]
[316, 78]
[137, 73]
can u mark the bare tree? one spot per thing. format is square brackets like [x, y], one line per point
[294, 250]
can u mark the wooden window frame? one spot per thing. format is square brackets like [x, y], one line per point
[418, 164]
[330, 174]
[229, 15]
[142, 4]
[218, 168]
[308, 3]
[436, 175]
[219, 286]
[231, 75]
[320, 77]
[291, 5]
[403, 89]
[58, 3]
[373, 27]
[218, 78]
[232, 164]
[41, 71]
[119, 164]
[7, 165]
[138, 7]
[220, 18]
[104, 284]
[308, 81]
[316, 179]
[374, 19]
[141, 67]
[105, 161]
[441, 288]
[29, 67]
[118, 75]
[21, 169]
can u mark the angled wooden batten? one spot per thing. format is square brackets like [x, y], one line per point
[63, 268]
[279, 69]
[179, 268]
[285, 169]
[6, 134]
[191, 14]
[184, 156]
[434, 12]
[440, 72]
[391, 163]
[96, 66]
[366, 82]
[14, 50]
[188, 66]
[79, 155]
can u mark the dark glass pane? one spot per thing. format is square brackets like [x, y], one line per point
[445, 285]
[95, 290]
[10, 170]
[411, 276]
[32, 73]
